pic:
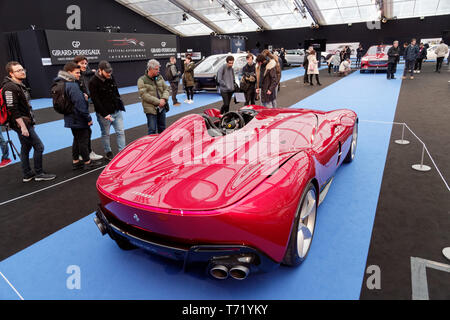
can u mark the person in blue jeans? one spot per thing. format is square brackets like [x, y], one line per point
[108, 106]
[411, 54]
[17, 97]
[5, 151]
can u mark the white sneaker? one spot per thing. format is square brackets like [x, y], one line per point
[186, 101]
[93, 156]
[191, 101]
[418, 71]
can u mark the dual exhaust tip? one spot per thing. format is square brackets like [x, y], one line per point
[101, 227]
[221, 272]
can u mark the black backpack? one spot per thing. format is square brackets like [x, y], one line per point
[61, 103]
[169, 75]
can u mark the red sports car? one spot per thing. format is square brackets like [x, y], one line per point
[239, 191]
[375, 59]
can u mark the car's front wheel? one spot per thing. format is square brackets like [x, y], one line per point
[303, 230]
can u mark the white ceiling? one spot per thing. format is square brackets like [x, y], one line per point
[207, 16]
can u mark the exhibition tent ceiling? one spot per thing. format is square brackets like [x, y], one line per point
[203, 17]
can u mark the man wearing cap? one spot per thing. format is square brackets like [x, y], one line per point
[108, 106]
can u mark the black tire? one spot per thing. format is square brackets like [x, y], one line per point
[291, 257]
[348, 158]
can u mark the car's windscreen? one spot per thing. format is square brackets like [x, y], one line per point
[373, 50]
[210, 64]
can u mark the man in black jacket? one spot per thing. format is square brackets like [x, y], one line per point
[249, 77]
[394, 55]
[108, 106]
[359, 54]
[305, 65]
[17, 98]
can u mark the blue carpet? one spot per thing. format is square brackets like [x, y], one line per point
[334, 268]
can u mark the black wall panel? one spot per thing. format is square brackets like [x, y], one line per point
[19, 15]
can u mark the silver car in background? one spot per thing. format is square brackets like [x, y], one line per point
[295, 56]
[205, 73]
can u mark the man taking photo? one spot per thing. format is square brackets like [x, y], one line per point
[393, 56]
[17, 97]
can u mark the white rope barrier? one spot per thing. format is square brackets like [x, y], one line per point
[421, 166]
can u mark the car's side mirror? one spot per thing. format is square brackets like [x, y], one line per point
[347, 121]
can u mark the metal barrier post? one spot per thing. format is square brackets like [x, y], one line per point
[421, 166]
[402, 140]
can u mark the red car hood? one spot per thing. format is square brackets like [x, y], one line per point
[171, 172]
[378, 56]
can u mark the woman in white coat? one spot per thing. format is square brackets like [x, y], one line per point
[312, 67]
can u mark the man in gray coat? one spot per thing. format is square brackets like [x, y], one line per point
[226, 80]
[173, 76]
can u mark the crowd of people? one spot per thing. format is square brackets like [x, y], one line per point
[77, 87]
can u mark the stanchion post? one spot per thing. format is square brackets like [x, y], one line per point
[402, 141]
[421, 166]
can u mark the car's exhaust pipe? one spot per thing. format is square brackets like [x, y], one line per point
[101, 227]
[219, 271]
[239, 272]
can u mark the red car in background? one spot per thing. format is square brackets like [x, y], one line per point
[375, 59]
[238, 191]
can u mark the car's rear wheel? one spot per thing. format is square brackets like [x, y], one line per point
[352, 151]
[303, 229]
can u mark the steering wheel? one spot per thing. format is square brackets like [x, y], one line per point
[232, 121]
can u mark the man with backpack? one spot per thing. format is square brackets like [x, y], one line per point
[66, 91]
[17, 98]
[86, 76]
[108, 106]
[173, 76]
